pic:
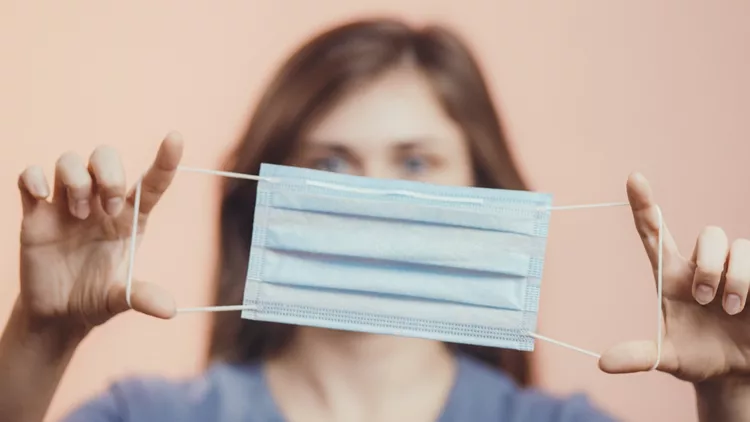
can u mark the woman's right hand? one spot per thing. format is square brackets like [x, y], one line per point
[75, 244]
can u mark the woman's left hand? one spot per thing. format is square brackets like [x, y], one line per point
[707, 326]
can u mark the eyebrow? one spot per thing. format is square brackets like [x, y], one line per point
[337, 146]
[329, 146]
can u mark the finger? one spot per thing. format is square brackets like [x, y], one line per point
[147, 298]
[738, 277]
[160, 174]
[73, 185]
[109, 175]
[638, 356]
[646, 216]
[709, 256]
[32, 183]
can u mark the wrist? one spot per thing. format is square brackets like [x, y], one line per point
[723, 386]
[54, 336]
[34, 353]
[725, 399]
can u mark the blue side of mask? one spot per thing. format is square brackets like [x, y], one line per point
[456, 264]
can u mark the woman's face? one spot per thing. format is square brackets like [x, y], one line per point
[392, 128]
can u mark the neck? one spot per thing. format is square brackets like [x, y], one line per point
[354, 376]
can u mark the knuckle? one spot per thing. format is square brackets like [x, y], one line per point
[708, 272]
[156, 184]
[737, 280]
[150, 191]
[107, 182]
[111, 186]
[82, 183]
[646, 230]
[79, 186]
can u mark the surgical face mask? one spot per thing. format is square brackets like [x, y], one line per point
[455, 264]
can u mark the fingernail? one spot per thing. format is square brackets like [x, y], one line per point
[704, 293]
[82, 208]
[732, 304]
[41, 190]
[114, 206]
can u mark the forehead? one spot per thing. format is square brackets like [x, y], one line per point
[398, 105]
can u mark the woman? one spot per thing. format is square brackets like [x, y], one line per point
[373, 98]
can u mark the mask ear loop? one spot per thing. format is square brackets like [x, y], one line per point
[134, 239]
[134, 236]
[659, 285]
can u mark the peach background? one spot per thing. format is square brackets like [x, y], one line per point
[591, 90]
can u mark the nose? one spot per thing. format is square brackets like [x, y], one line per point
[379, 168]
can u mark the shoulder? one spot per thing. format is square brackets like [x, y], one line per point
[220, 394]
[486, 394]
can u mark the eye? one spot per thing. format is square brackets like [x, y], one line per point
[415, 164]
[333, 164]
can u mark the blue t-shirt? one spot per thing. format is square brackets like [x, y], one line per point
[229, 393]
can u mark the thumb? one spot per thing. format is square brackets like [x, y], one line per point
[647, 217]
[147, 298]
[637, 356]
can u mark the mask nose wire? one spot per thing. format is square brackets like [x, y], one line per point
[136, 215]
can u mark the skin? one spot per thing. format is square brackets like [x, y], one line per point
[73, 248]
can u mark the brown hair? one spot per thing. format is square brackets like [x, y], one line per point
[305, 87]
